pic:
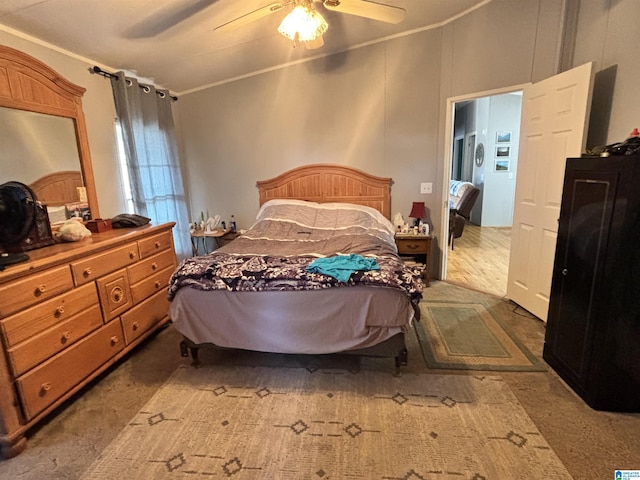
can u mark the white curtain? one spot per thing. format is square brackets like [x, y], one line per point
[146, 120]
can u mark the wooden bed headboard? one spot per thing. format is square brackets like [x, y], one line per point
[57, 189]
[324, 183]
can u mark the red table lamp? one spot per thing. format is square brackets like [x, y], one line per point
[418, 211]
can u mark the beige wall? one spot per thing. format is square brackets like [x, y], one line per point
[369, 108]
[609, 35]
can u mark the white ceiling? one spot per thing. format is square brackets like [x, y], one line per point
[172, 42]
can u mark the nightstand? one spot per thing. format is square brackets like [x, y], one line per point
[220, 237]
[417, 246]
[226, 238]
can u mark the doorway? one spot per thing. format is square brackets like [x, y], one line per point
[487, 122]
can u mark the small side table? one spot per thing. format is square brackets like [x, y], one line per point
[417, 246]
[226, 238]
[220, 237]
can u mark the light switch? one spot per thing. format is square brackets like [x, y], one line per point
[426, 188]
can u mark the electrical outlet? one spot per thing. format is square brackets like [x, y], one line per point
[426, 188]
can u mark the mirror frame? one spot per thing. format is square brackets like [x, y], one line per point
[28, 84]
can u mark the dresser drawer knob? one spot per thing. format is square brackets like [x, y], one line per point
[157, 244]
[59, 311]
[114, 340]
[154, 266]
[65, 337]
[132, 254]
[87, 272]
[117, 294]
[157, 284]
[135, 326]
[413, 247]
[45, 387]
[40, 290]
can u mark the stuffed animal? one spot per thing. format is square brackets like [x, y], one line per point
[73, 230]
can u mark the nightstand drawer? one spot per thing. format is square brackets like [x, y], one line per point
[418, 247]
[411, 246]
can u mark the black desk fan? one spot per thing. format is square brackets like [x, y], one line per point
[17, 217]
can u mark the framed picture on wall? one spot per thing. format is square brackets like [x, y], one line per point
[503, 137]
[502, 165]
[503, 152]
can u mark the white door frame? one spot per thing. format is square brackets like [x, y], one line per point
[448, 156]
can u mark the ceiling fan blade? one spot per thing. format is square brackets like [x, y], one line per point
[367, 9]
[250, 17]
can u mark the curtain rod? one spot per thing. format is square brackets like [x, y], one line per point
[98, 71]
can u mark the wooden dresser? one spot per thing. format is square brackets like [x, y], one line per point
[70, 312]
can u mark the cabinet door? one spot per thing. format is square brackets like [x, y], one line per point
[585, 223]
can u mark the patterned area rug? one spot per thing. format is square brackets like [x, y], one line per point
[293, 423]
[467, 336]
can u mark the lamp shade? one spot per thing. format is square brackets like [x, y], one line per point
[418, 210]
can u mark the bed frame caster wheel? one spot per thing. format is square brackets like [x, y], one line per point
[185, 348]
[401, 361]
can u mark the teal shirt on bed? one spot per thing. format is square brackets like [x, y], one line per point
[342, 266]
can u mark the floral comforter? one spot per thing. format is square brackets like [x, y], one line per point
[275, 253]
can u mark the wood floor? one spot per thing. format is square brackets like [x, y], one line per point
[480, 259]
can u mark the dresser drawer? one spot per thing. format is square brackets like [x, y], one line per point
[34, 289]
[46, 344]
[46, 383]
[151, 285]
[144, 316]
[23, 325]
[152, 245]
[145, 268]
[115, 294]
[92, 268]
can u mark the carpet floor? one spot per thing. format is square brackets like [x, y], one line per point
[294, 423]
[590, 444]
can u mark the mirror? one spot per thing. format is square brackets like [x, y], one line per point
[44, 138]
[42, 143]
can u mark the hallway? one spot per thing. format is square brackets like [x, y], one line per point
[480, 259]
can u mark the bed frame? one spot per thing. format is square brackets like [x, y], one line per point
[325, 183]
[57, 189]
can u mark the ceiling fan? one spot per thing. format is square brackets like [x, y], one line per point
[304, 24]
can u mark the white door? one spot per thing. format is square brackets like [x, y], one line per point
[555, 112]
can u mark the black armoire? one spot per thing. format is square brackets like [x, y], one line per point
[593, 327]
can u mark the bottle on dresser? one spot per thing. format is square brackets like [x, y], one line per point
[233, 224]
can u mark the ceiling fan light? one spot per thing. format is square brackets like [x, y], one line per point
[316, 43]
[303, 24]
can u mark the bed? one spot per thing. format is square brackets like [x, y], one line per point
[58, 189]
[275, 288]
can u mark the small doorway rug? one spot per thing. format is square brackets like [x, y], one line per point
[467, 336]
[293, 423]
